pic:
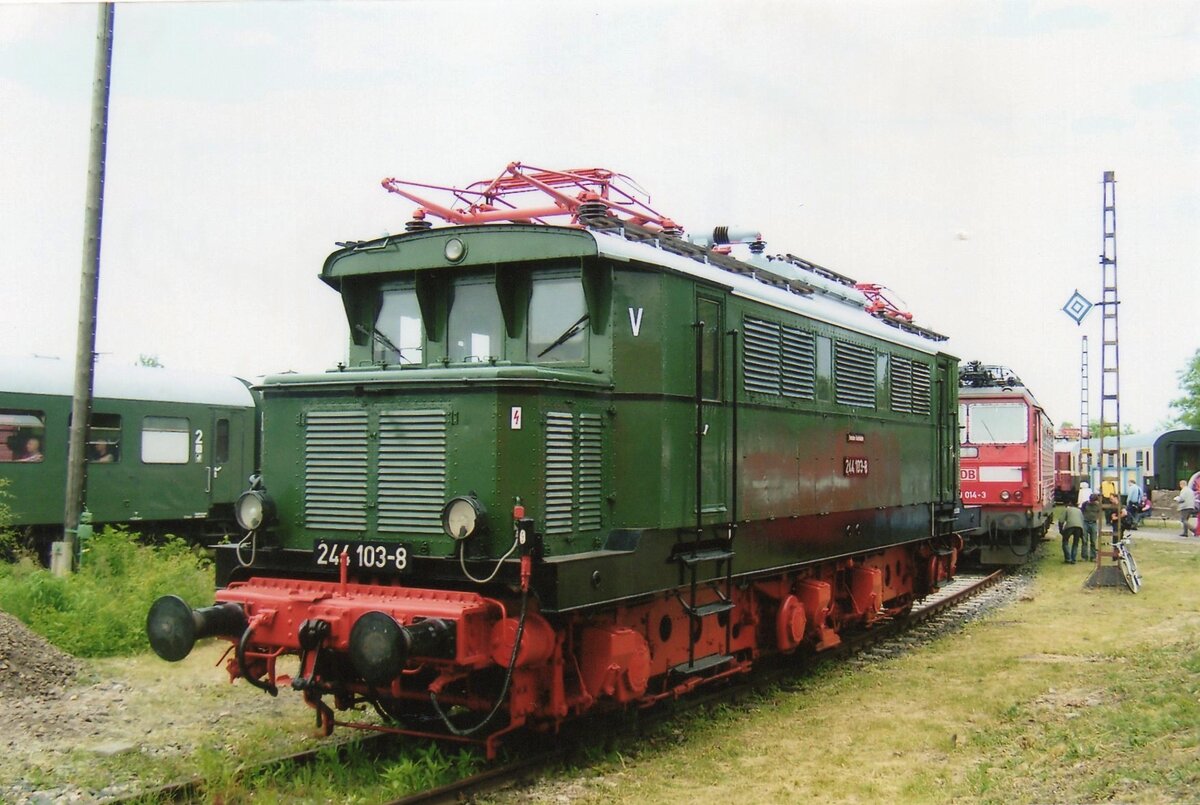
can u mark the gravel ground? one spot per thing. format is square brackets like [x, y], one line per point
[81, 731]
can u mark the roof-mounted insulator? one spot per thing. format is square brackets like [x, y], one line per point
[418, 222]
[758, 246]
[671, 229]
[591, 210]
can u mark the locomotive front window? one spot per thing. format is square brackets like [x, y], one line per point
[399, 334]
[22, 435]
[476, 328]
[557, 320]
[997, 423]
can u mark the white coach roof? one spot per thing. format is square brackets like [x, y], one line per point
[114, 382]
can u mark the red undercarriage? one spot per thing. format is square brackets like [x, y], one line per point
[566, 664]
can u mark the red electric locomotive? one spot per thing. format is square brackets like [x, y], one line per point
[1006, 463]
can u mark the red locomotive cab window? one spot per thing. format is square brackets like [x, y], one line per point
[997, 423]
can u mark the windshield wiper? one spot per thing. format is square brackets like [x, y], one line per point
[383, 339]
[567, 335]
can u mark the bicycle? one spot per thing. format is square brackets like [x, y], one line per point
[1127, 564]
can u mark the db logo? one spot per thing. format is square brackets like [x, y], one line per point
[968, 474]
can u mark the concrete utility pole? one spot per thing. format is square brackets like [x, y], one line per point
[63, 553]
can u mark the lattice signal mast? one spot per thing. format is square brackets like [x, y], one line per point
[1110, 353]
[1084, 428]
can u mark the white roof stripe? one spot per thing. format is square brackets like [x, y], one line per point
[57, 377]
[814, 306]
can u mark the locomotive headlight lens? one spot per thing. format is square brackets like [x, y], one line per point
[1018, 494]
[1005, 495]
[455, 250]
[463, 517]
[252, 509]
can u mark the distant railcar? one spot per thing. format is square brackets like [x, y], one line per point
[1006, 463]
[1154, 460]
[165, 449]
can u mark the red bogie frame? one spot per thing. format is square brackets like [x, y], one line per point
[566, 664]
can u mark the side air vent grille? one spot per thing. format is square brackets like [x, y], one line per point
[779, 360]
[412, 471]
[574, 473]
[799, 364]
[560, 465]
[591, 453]
[910, 387]
[761, 359]
[335, 470]
[854, 375]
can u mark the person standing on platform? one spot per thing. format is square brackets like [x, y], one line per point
[1091, 526]
[1134, 498]
[1070, 526]
[1185, 502]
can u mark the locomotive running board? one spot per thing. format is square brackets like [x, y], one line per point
[702, 664]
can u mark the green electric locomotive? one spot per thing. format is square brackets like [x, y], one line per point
[583, 465]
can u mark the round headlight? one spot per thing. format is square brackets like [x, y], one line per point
[455, 250]
[1005, 495]
[462, 517]
[252, 509]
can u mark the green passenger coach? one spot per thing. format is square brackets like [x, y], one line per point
[165, 449]
[580, 465]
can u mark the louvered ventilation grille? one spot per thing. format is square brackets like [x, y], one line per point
[799, 364]
[590, 458]
[412, 471]
[854, 375]
[574, 465]
[910, 386]
[335, 470]
[560, 482]
[761, 359]
[921, 388]
[779, 360]
[902, 372]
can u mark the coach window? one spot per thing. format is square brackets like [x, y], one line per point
[399, 334]
[558, 320]
[709, 313]
[165, 440]
[22, 435]
[475, 329]
[997, 423]
[104, 438]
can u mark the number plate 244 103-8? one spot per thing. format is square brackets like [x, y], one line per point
[386, 557]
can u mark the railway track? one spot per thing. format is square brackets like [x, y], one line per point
[542, 754]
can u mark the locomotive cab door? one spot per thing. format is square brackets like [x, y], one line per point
[712, 412]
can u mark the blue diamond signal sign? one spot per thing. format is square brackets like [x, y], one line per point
[1077, 307]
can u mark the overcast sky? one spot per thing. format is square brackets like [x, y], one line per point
[951, 151]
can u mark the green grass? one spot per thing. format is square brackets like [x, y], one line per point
[1066, 695]
[100, 611]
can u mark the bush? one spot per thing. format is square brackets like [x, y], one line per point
[100, 611]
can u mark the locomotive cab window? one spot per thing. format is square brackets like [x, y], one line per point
[476, 327]
[709, 312]
[104, 439]
[558, 320]
[997, 423]
[165, 440]
[22, 435]
[399, 333]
